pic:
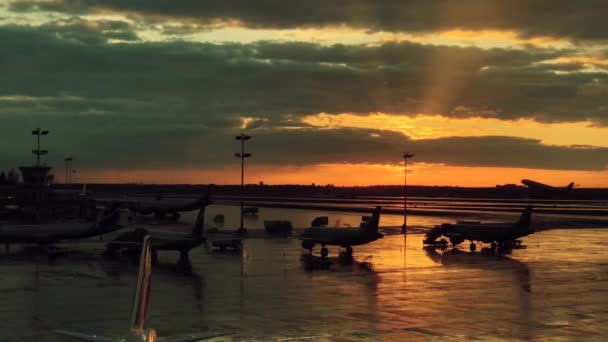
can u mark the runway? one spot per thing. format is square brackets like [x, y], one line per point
[394, 290]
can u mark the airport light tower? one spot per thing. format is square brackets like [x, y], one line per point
[68, 168]
[406, 156]
[38, 132]
[242, 137]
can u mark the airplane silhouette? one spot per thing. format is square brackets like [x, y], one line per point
[536, 187]
[49, 233]
[164, 241]
[502, 235]
[160, 206]
[343, 237]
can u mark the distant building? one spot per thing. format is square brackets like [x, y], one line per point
[35, 175]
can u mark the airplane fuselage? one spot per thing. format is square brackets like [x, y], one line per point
[160, 241]
[52, 232]
[343, 237]
[161, 206]
[180, 243]
[533, 185]
[501, 233]
[43, 233]
[483, 232]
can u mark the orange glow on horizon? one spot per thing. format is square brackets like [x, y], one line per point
[352, 175]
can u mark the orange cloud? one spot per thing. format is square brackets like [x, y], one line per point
[424, 126]
[479, 38]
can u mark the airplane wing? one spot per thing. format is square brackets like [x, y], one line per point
[192, 337]
[83, 337]
[320, 239]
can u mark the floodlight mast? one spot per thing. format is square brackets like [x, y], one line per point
[242, 137]
[68, 164]
[405, 157]
[38, 132]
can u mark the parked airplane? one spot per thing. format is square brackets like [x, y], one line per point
[47, 204]
[343, 237]
[48, 233]
[164, 241]
[540, 187]
[139, 310]
[502, 235]
[160, 206]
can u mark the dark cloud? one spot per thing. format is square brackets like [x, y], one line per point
[128, 143]
[178, 104]
[272, 80]
[385, 147]
[584, 20]
[78, 30]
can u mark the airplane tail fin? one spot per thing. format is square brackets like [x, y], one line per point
[525, 220]
[83, 192]
[141, 298]
[199, 224]
[370, 223]
[570, 186]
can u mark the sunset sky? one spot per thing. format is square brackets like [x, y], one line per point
[482, 92]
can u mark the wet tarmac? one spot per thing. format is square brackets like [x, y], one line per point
[555, 289]
[435, 206]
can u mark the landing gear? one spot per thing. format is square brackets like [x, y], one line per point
[324, 252]
[455, 242]
[307, 244]
[473, 246]
[349, 251]
[183, 258]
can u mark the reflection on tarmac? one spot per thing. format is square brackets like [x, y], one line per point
[64, 286]
[484, 259]
[180, 272]
[391, 290]
[517, 272]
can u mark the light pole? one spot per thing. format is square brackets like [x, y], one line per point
[68, 162]
[38, 132]
[242, 137]
[73, 180]
[406, 156]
